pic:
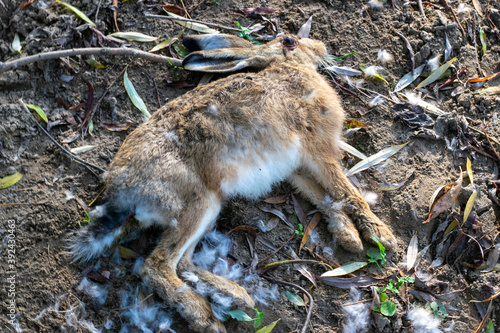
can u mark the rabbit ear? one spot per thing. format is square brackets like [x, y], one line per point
[222, 61]
[214, 41]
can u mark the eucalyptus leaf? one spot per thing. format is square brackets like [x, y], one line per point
[268, 328]
[351, 150]
[135, 36]
[409, 78]
[82, 149]
[10, 180]
[239, 315]
[469, 205]
[448, 49]
[194, 26]
[77, 12]
[38, 110]
[411, 257]
[375, 159]
[294, 298]
[345, 269]
[16, 43]
[134, 96]
[436, 74]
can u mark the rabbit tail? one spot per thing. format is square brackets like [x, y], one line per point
[91, 241]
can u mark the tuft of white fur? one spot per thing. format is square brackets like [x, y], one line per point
[377, 100]
[69, 195]
[98, 292]
[140, 315]
[373, 70]
[423, 321]
[83, 246]
[370, 197]
[357, 316]
[376, 4]
[462, 8]
[256, 172]
[384, 56]
[434, 63]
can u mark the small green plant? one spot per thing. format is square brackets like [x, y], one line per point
[87, 220]
[437, 308]
[242, 316]
[300, 230]
[245, 32]
[377, 255]
[387, 307]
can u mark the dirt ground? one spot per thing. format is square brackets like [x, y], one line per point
[40, 210]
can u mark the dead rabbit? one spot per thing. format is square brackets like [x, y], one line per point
[236, 136]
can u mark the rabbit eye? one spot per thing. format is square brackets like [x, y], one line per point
[289, 42]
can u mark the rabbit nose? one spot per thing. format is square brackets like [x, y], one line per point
[290, 43]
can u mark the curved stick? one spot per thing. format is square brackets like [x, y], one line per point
[311, 300]
[76, 158]
[13, 64]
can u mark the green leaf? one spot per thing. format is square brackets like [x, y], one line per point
[10, 180]
[268, 328]
[16, 43]
[239, 315]
[77, 12]
[387, 308]
[482, 38]
[294, 298]
[134, 96]
[392, 287]
[436, 74]
[135, 36]
[94, 63]
[345, 269]
[162, 45]
[383, 297]
[469, 205]
[489, 327]
[39, 111]
[375, 159]
[409, 78]
[259, 316]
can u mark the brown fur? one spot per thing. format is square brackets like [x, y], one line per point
[177, 163]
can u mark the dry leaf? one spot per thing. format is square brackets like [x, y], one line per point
[411, 257]
[310, 227]
[446, 201]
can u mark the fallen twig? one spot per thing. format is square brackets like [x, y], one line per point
[445, 3]
[76, 158]
[311, 300]
[421, 9]
[192, 21]
[13, 64]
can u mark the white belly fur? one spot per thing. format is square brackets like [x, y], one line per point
[254, 173]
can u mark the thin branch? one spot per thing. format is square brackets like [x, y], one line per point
[311, 300]
[445, 3]
[13, 64]
[192, 21]
[76, 158]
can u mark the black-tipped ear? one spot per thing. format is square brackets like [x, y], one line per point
[214, 41]
[215, 61]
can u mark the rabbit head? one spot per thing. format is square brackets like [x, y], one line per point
[223, 54]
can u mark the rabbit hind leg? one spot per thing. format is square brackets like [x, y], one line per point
[160, 268]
